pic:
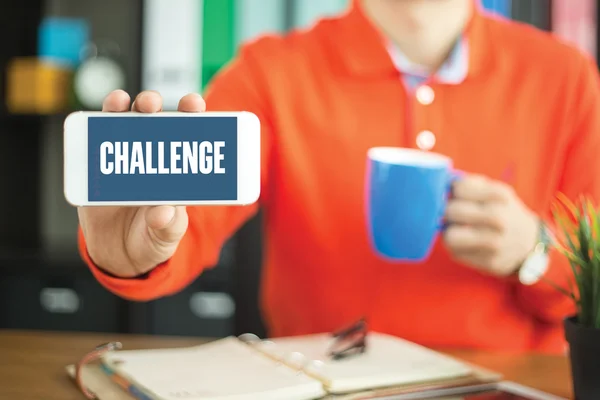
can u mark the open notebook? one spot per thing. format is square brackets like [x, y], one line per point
[294, 368]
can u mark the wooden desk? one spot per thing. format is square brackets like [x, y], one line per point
[32, 363]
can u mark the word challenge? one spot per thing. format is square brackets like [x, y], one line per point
[148, 158]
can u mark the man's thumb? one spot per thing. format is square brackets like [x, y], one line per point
[160, 217]
[168, 223]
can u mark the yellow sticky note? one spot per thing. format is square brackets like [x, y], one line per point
[37, 87]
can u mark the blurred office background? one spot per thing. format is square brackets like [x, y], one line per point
[57, 56]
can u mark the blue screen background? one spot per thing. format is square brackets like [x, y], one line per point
[164, 187]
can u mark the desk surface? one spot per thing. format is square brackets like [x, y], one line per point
[32, 363]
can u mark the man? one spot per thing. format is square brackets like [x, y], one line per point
[514, 108]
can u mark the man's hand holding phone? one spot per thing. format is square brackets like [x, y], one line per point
[130, 241]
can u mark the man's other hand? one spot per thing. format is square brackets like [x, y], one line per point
[489, 227]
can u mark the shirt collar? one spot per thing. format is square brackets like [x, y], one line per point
[453, 71]
[363, 51]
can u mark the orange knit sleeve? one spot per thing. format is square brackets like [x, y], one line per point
[581, 176]
[239, 86]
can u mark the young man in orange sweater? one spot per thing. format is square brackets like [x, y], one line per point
[512, 106]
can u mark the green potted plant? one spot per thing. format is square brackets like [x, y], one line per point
[578, 238]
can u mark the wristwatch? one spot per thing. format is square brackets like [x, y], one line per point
[536, 264]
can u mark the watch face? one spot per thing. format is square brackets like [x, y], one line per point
[534, 268]
[95, 79]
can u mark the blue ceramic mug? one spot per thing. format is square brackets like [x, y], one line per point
[406, 196]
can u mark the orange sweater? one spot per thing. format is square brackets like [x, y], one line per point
[527, 113]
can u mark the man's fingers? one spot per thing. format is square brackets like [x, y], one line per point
[167, 224]
[483, 260]
[479, 188]
[150, 102]
[473, 213]
[147, 102]
[116, 101]
[475, 260]
[460, 239]
[192, 102]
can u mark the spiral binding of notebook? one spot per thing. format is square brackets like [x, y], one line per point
[344, 365]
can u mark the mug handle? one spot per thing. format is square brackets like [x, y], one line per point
[455, 175]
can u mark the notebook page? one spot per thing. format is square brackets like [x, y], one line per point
[225, 369]
[387, 361]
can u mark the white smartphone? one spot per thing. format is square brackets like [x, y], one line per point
[174, 158]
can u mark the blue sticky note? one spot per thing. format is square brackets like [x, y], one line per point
[62, 40]
[501, 7]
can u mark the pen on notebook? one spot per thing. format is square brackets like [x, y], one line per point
[349, 341]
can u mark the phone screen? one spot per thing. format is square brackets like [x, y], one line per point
[162, 159]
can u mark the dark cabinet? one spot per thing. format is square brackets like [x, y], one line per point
[206, 307]
[41, 297]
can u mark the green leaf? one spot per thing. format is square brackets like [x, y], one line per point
[568, 229]
[579, 242]
[568, 204]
